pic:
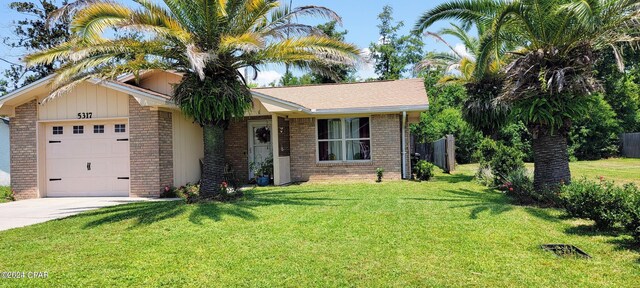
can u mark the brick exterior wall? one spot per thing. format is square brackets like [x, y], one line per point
[150, 144]
[24, 151]
[236, 148]
[385, 145]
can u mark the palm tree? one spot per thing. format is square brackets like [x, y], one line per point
[208, 40]
[459, 66]
[480, 108]
[550, 77]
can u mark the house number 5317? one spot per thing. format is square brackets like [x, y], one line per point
[85, 115]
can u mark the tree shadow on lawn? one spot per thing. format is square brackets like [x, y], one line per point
[453, 178]
[479, 202]
[146, 213]
[622, 240]
[244, 208]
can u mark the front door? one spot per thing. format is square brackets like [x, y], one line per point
[260, 148]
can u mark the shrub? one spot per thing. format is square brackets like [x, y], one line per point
[379, 174]
[595, 135]
[496, 162]
[519, 186]
[633, 210]
[484, 176]
[504, 161]
[189, 192]
[602, 202]
[6, 193]
[169, 192]
[486, 149]
[424, 170]
[517, 135]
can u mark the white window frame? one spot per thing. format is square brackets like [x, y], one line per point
[343, 140]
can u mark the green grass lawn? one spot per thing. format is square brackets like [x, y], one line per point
[449, 232]
[620, 170]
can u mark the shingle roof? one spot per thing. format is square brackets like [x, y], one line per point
[410, 92]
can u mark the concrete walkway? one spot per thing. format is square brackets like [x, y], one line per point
[28, 212]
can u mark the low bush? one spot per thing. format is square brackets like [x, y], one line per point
[484, 176]
[633, 211]
[424, 170]
[504, 161]
[189, 192]
[169, 192]
[486, 149]
[379, 174]
[6, 193]
[603, 202]
[518, 184]
[496, 162]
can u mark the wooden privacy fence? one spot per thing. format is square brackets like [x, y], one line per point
[442, 152]
[631, 145]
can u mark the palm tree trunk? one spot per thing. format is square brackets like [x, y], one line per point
[213, 163]
[551, 161]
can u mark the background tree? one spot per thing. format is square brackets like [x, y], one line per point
[393, 54]
[550, 79]
[32, 34]
[341, 73]
[444, 117]
[622, 89]
[209, 41]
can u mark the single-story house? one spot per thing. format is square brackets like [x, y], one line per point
[126, 137]
[4, 151]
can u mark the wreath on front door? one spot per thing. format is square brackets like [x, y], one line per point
[263, 134]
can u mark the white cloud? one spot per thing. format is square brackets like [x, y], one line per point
[366, 70]
[265, 77]
[462, 50]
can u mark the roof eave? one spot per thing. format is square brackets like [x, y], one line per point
[282, 103]
[382, 109]
[25, 89]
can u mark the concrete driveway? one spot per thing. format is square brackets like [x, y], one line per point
[28, 212]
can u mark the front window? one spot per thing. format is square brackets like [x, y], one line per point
[347, 139]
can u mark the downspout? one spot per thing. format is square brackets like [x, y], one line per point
[404, 146]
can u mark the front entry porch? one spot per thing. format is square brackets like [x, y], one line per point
[255, 140]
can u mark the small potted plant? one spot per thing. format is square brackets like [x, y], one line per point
[262, 171]
[379, 174]
[266, 172]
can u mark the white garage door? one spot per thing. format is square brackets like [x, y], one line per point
[87, 159]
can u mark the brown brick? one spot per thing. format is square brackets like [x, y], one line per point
[385, 152]
[151, 149]
[24, 151]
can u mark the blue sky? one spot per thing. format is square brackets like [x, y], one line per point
[359, 18]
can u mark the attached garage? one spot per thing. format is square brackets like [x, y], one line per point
[101, 139]
[87, 159]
